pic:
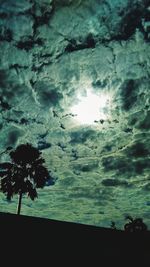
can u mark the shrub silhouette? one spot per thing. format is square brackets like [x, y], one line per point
[24, 174]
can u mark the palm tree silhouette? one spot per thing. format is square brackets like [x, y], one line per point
[135, 225]
[24, 173]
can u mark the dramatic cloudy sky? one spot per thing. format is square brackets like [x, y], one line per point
[62, 62]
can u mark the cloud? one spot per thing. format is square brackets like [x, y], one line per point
[114, 182]
[115, 163]
[129, 93]
[10, 135]
[48, 57]
[3, 78]
[138, 150]
[82, 135]
[85, 166]
[131, 20]
[47, 94]
[123, 167]
[43, 145]
[145, 122]
[87, 192]
[13, 137]
[146, 187]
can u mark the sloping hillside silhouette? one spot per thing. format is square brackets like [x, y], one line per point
[81, 242]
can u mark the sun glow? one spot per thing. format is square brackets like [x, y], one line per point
[91, 108]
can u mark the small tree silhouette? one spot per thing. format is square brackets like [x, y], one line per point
[113, 225]
[24, 173]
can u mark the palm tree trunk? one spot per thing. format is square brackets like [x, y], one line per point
[19, 203]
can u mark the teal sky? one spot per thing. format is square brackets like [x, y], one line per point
[74, 82]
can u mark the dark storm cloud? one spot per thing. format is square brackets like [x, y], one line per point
[3, 104]
[107, 148]
[128, 130]
[121, 24]
[100, 83]
[140, 119]
[43, 145]
[48, 95]
[126, 166]
[129, 93]
[51, 97]
[131, 19]
[146, 187]
[67, 181]
[114, 182]
[13, 136]
[3, 78]
[11, 7]
[135, 119]
[145, 123]
[114, 163]
[141, 165]
[29, 43]
[86, 43]
[81, 136]
[95, 193]
[88, 167]
[11, 91]
[5, 34]
[63, 2]
[138, 150]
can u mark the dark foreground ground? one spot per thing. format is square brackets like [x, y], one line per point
[56, 243]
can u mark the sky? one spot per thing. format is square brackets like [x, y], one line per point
[74, 82]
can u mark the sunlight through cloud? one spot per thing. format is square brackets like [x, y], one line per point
[91, 108]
